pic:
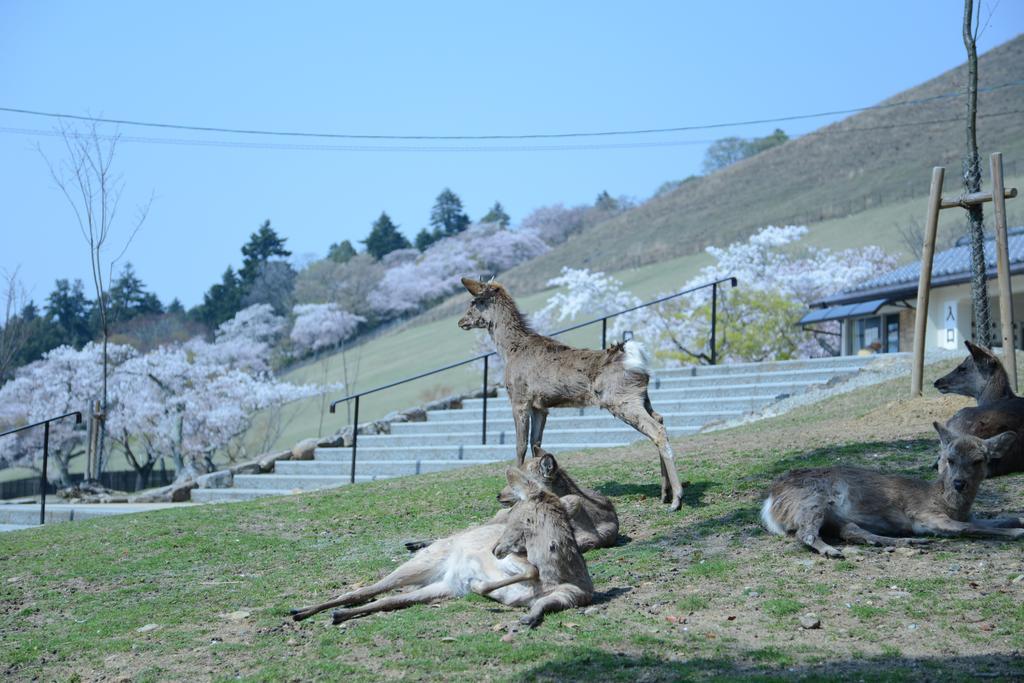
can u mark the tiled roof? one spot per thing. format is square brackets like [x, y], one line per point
[948, 267]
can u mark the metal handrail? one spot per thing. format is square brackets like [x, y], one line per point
[485, 356]
[46, 453]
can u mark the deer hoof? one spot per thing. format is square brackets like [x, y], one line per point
[530, 620]
[677, 503]
[297, 614]
[339, 616]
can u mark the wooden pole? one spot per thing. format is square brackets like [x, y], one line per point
[1003, 269]
[924, 284]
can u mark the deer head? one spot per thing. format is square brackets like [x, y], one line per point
[480, 312]
[963, 463]
[973, 375]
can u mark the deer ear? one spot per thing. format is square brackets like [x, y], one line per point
[946, 437]
[522, 487]
[979, 353]
[997, 446]
[474, 286]
[548, 465]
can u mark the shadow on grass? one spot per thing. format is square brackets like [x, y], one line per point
[769, 664]
[693, 493]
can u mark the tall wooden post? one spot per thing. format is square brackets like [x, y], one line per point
[924, 283]
[1003, 269]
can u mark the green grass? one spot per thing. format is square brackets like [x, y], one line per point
[73, 596]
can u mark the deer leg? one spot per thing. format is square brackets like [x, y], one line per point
[538, 417]
[416, 571]
[944, 526]
[529, 573]
[1000, 522]
[562, 596]
[666, 489]
[639, 419]
[429, 593]
[856, 534]
[651, 411]
[809, 520]
[521, 416]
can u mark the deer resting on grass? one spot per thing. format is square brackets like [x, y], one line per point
[542, 373]
[529, 560]
[862, 506]
[594, 522]
[982, 377]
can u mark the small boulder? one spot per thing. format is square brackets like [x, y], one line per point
[415, 415]
[810, 621]
[251, 467]
[304, 449]
[394, 416]
[221, 479]
[266, 462]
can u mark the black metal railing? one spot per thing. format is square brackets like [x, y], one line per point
[46, 453]
[485, 356]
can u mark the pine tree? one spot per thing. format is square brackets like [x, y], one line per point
[424, 238]
[129, 298]
[497, 215]
[261, 247]
[70, 310]
[447, 216]
[341, 253]
[384, 238]
[222, 300]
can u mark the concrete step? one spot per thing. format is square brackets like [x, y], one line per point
[452, 452]
[15, 527]
[712, 388]
[232, 495]
[811, 376]
[503, 421]
[502, 409]
[377, 468]
[293, 482]
[844, 362]
[617, 432]
[28, 514]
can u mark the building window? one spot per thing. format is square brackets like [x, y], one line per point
[878, 334]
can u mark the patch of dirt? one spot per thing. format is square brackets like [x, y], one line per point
[915, 415]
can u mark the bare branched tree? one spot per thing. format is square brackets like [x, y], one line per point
[86, 178]
[14, 334]
[972, 183]
[911, 233]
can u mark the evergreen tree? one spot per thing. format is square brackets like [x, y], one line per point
[70, 310]
[175, 307]
[497, 215]
[222, 300]
[424, 238]
[447, 216]
[605, 202]
[129, 298]
[261, 247]
[384, 238]
[341, 253]
[41, 335]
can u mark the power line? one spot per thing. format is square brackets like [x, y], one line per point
[529, 136]
[241, 144]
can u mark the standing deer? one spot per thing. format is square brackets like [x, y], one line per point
[983, 377]
[862, 506]
[542, 373]
[594, 522]
[529, 560]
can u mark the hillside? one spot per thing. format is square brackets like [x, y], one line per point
[700, 594]
[864, 161]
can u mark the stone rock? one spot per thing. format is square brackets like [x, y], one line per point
[415, 415]
[381, 427]
[809, 621]
[221, 479]
[177, 492]
[453, 402]
[394, 416]
[182, 492]
[333, 441]
[147, 628]
[251, 467]
[304, 449]
[266, 462]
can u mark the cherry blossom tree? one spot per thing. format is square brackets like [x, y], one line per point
[323, 326]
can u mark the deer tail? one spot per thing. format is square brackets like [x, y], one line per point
[768, 519]
[636, 357]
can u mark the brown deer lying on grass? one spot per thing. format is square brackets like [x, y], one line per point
[983, 377]
[594, 522]
[542, 373]
[862, 506]
[529, 560]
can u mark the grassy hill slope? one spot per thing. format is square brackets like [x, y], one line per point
[864, 161]
[704, 593]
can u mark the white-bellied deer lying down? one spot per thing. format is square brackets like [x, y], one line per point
[542, 373]
[530, 560]
[862, 506]
[594, 522]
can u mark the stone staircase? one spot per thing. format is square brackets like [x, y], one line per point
[688, 398]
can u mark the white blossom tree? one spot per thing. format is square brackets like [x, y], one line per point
[323, 326]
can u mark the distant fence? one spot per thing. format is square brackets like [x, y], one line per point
[117, 481]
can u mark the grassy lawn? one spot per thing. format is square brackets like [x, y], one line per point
[700, 594]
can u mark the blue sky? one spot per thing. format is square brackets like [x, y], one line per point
[415, 68]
